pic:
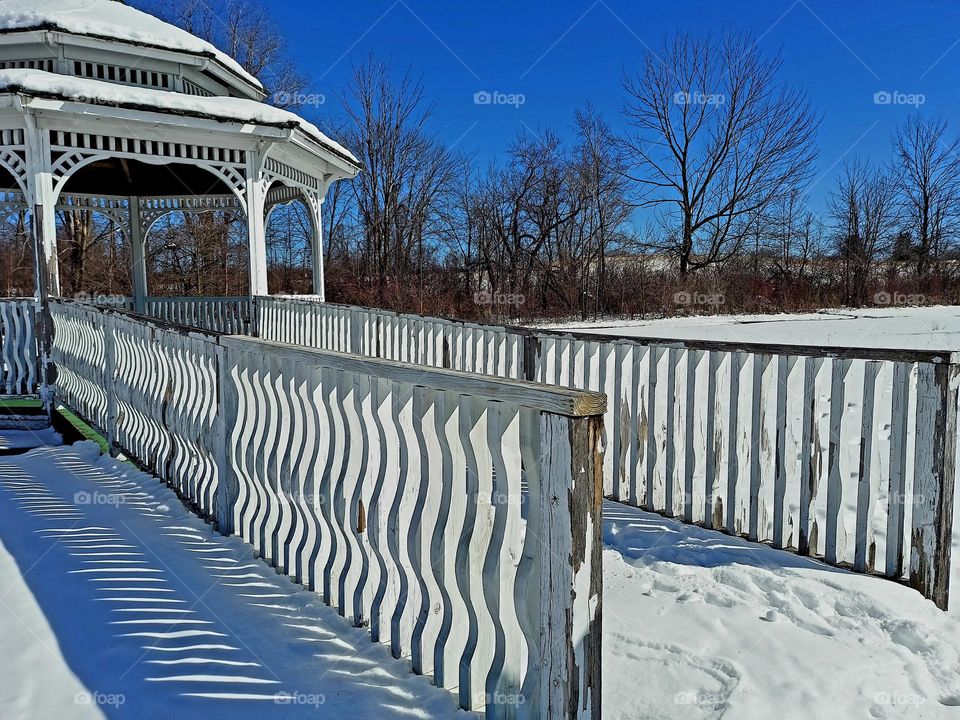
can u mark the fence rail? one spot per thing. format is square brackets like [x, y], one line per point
[456, 516]
[18, 347]
[845, 454]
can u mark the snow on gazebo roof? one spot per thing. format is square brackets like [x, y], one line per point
[37, 83]
[110, 20]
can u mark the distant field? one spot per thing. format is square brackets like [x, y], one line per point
[930, 328]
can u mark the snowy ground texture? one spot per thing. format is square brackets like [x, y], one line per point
[929, 328]
[116, 601]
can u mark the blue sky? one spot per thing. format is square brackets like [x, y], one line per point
[562, 53]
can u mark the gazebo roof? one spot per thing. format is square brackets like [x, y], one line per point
[37, 83]
[110, 20]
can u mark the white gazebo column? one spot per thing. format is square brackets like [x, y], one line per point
[139, 257]
[43, 228]
[319, 288]
[42, 212]
[256, 198]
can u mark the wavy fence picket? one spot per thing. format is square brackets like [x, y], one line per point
[454, 515]
[150, 388]
[18, 347]
[845, 454]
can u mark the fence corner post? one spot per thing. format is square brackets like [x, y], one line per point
[571, 566]
[938, 401]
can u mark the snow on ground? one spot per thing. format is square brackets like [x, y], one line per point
[115, 601]
[927, 328]
[701, 625]
[24, 439]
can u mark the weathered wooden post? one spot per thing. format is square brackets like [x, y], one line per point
[934, 478]
[567, 517]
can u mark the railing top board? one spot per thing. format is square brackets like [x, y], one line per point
[545, 398]
[830, 351]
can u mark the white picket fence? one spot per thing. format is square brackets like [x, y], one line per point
[18, 347]
[219, 314]
[846, 454]
[456, 516]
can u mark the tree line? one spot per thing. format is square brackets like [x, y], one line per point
[698, 202]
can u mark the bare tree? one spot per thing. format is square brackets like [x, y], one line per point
[716, 139]
[407, 174]
[926, 169]
[244, 30]
[864, 211]
[599, 171]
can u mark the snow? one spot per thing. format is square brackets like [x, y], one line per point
[926, 328]
[116, 601]
[98, 92]
[701, 625]
[119, 601]
[110, 19]
[25, 439]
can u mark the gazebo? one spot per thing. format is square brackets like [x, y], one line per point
[107, 108]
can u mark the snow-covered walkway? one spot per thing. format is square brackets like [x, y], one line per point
[115, 601]
[111, 591]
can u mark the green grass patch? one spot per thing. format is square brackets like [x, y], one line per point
[20, 404]
[74, 429]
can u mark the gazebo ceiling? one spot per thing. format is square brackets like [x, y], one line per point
[113, 176]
